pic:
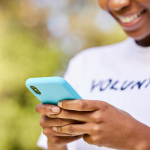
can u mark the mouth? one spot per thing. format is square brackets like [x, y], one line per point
[131, 20]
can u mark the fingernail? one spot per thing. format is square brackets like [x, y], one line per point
[60, 104]
[55, 109]
[54, 128]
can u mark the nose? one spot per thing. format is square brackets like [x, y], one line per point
[117, 5]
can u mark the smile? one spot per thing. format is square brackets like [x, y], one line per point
[131, 18]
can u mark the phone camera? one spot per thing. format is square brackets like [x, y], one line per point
[35, 89]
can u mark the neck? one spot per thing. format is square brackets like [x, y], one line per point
[144, 42]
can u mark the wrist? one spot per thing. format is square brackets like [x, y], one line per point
[143, 143]
[141, 137]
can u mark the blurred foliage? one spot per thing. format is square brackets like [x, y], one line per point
[28, 49]
[24, 53]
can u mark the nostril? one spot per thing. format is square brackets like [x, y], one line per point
[118, 4]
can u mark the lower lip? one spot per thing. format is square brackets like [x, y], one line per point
[133, 23]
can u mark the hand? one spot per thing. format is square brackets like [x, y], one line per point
[104, 125]
[55, 140]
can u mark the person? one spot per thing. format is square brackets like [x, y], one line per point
[114, 82]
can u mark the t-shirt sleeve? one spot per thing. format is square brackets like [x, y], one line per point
[72, 77]
[42, 142]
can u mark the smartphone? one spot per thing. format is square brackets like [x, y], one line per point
[51, 90]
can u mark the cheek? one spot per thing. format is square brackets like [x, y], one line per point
[145, 3]
[103, 4]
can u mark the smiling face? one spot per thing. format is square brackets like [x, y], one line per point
[133, 15]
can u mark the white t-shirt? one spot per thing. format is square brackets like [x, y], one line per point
[118, 74]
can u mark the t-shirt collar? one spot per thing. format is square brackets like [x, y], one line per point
[137, 47]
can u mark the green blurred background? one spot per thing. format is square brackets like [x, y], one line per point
[37, 39]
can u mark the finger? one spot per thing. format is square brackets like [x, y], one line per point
[52, 146]
[92, 140]
[80, 105]
[48, 131]
[74, 115]
[49, 122]
[60, 141]
[47, 109]
[74, 129]
[87, 139]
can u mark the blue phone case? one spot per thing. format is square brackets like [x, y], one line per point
[51, 90]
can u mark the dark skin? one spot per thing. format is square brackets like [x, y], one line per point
[106, 125]
[141, 30]
[144, 42]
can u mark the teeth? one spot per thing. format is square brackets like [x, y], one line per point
[130, 18]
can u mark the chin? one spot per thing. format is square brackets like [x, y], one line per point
[138, 35]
